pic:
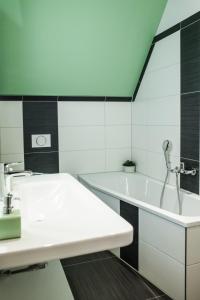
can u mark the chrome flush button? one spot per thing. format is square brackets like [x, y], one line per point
[41, 140]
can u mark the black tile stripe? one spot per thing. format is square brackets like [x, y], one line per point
[143, 72]
[166, 33]
[118, 99]
[130, 253]
[40, 98]
[81, 98]
[65, 98]
[191, 19]
[11, 98]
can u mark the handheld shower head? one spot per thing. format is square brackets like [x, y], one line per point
[167, 147]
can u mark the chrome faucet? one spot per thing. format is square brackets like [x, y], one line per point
[5, 184]
[167, 147]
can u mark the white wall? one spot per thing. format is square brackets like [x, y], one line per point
[93, 136]
[156, 110]
[176, 11]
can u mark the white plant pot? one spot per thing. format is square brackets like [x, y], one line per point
[131, 169]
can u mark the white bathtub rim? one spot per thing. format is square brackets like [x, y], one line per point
[185, 221]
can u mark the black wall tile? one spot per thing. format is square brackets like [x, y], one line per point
[40, 118]
[10, 98]
[166, 33]
[190, 58]
[143, 72]
[130, 253]
[191, 19]
[81, 98]
[188, 182]
[119, 99]
[40, 114]
[190, 113]
[40, 98]
[42, 162]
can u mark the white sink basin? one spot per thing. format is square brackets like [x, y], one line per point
[61, 218]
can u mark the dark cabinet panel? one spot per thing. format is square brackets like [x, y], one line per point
[130, 253]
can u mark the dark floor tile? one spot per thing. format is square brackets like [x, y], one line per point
[42, 162]
[86, 258]
[108, 279]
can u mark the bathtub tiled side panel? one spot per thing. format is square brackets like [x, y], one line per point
[162, 270]
[166, 236]
[193, 245]
[193, 286]
[162, 254]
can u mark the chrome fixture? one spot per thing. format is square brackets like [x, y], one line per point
[5, 184]
[167, 147]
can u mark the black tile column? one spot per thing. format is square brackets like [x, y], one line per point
[40, 117]
[130, 253]
[190, 102]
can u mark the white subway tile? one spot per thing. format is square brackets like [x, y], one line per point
[77, 113]
[11, 140]
[139, 136]
[11, 114]
[140, 158]
[157, 134]
[79, 162]
[118, 136]
[116, 157]
[118, 113]
[165, 53]
[139, 112]
[162, 111]
[81, 138]
[160, 83]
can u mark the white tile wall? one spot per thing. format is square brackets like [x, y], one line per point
[93, 136]
[11, 132]
[156, 110]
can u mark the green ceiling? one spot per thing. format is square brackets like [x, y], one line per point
[75, 47]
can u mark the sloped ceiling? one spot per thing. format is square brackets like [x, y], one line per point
[68, 47]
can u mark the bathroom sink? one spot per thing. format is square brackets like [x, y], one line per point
[60, 218]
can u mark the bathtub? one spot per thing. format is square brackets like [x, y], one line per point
[168, 243]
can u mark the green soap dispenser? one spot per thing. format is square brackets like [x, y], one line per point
[10, 221]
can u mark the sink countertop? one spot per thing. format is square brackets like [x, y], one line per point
[61, 218]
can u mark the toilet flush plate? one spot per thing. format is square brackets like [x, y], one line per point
[41, 140]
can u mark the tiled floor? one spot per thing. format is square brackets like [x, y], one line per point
[102, 276]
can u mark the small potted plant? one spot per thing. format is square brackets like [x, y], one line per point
[129, 166]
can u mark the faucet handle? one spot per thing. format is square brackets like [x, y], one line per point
[184, 171]
[8, 167]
